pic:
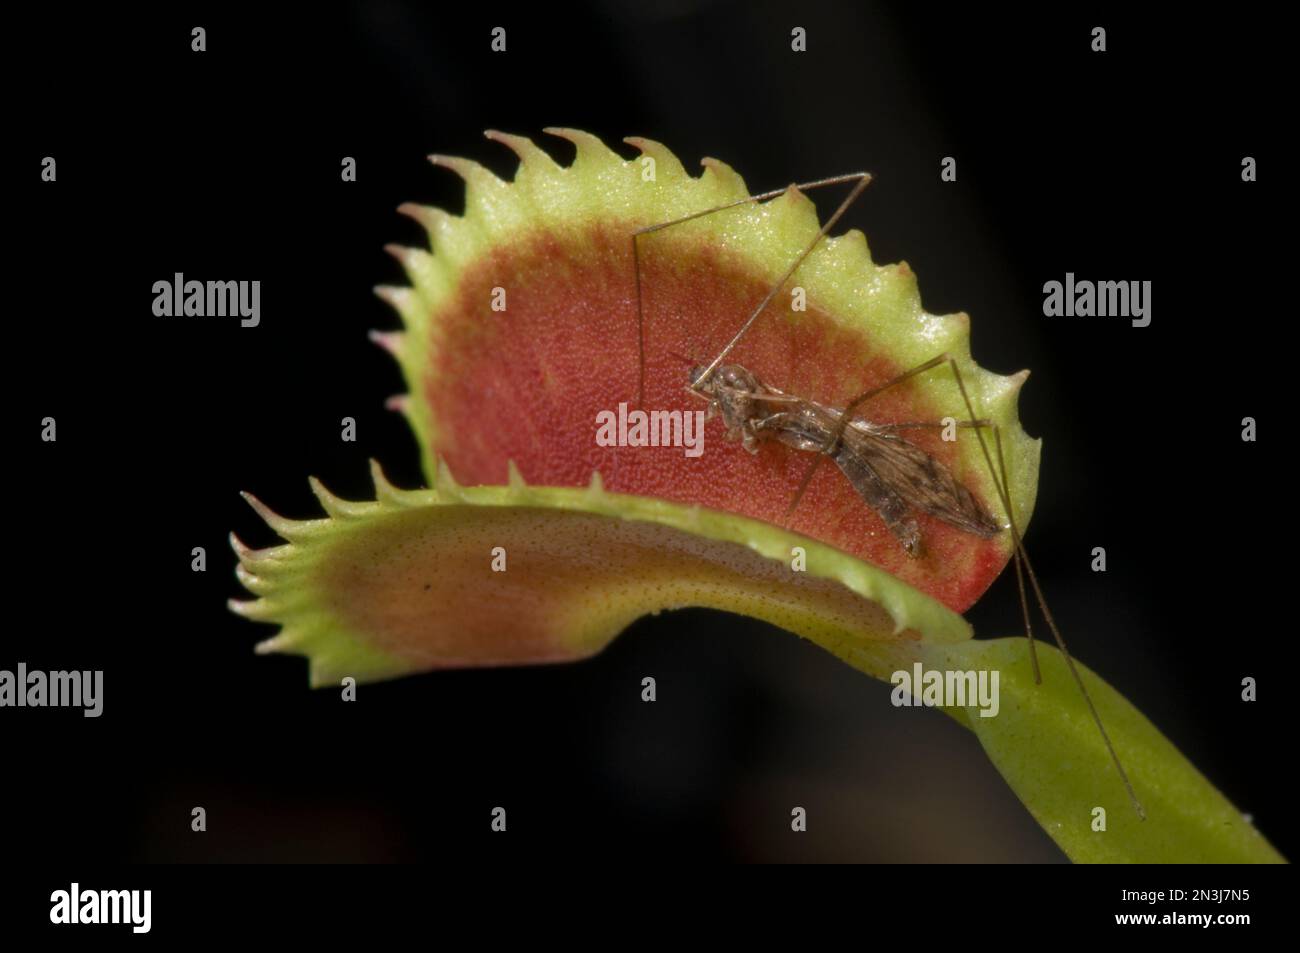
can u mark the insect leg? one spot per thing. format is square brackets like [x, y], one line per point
[933, 424]
[1015, 550]
[1038, 590]
[861, 178]
[837, 434]
[1020, 573]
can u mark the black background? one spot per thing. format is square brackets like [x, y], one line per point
[1122, 165]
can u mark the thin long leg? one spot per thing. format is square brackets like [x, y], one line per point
[1020, 573]
[862, 179]
[933, 424]
[838, 433]
[1042, 600]
[1017, 549]
[1015, 552]
[982, 422]
[1021, 556]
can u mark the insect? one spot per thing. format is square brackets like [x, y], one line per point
[894, 477]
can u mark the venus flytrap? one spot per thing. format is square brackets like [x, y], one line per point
[409, 582]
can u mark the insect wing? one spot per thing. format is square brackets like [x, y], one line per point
[921, 480]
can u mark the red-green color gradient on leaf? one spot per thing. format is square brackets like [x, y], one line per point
[410, 582]
[527, 383]
[405, 583]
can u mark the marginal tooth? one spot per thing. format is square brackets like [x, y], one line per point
[241, 550]
[514, 479]
[390, 341]
[258, 559]
[417, 262]
[490, 205]
[434, 220]
[405, 256]
[798, 200]
[665, 161]
[794, 216]
[406, 301]
[417, 212]
[998, 389]
[451, 237]
[590, 148]
[250, 580]
[846, 254]
[530, 154]
[398, 403]
[240, 607]
[475, 175]
[426, 273]
[285, 527]
[258, 609]
[853, 246]
[284, 641]
[399, 296]
[596, 487]
[942, 331]
[727, 178]
[335, 507]
[443, 481]
[903, 273]
[384, 490]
